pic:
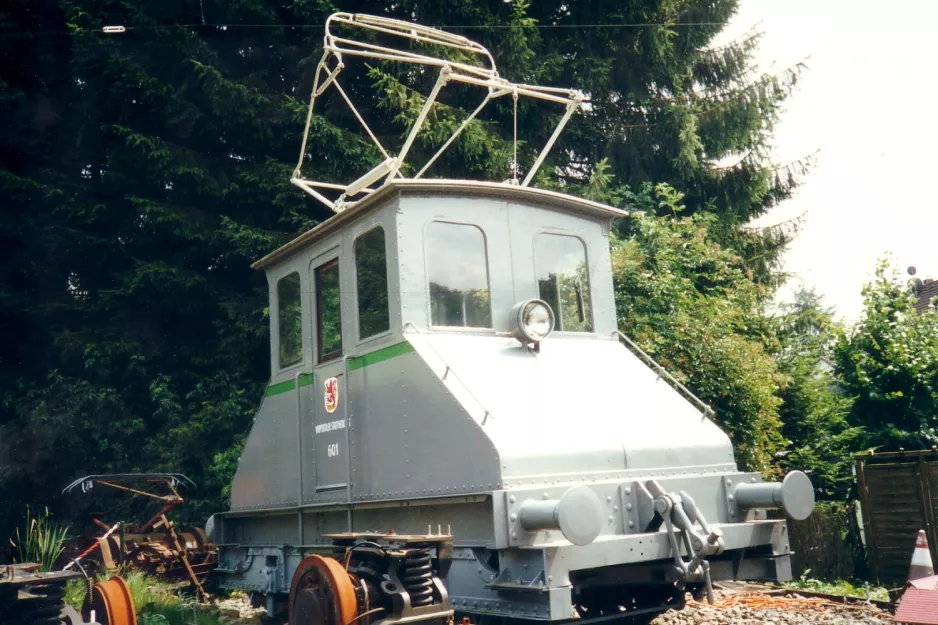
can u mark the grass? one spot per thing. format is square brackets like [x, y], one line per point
[156, 603]
[75, 590]
[41, 541]
[840, 588]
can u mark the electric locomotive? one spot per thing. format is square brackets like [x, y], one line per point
[454, 425]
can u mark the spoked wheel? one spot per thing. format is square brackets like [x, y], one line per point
[322, 593]
[112, 603]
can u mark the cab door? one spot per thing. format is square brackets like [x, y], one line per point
[330, 423]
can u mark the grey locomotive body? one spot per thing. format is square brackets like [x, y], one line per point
[547, 479]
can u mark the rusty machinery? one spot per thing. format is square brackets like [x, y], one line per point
[156, 546]
[29, 596]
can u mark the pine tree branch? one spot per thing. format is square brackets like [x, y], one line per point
[799, 166]
[787, 78]
[789, 224]
[753, 32]
[743, 160]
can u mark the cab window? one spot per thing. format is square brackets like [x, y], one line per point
[290, 320]
[563, 281]
[458, 276]
[371, 270]
[328, 315]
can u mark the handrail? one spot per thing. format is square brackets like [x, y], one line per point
[662, 373]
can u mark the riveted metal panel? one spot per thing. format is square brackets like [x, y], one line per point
[561, 558]
[412, 438]
[528, 221]
[510, 227]
[490, 215]
[622, 511]
[544, 417]
[469, 519]
[330, 429]
[268, 471]
[269, 530]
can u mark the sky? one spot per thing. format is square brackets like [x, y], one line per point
[867, 103]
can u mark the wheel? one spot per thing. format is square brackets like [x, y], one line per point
[322, 593]
[112, 603]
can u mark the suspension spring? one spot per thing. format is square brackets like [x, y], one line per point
[417, 577]
[45, 605]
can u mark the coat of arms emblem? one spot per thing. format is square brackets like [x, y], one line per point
[330, 394]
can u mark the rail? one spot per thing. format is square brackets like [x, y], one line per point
[662, 373]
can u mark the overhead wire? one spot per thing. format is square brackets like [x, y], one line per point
[455, 26]
[225, 26]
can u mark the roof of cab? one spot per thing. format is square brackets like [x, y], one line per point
[440, 187]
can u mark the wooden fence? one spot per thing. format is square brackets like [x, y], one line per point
[899, 496]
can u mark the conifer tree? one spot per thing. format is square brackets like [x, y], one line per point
[141, 173]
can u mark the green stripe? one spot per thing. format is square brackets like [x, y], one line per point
[380, 355]
[275, 389]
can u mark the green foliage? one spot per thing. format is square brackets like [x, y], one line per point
[75, 592]
[689, 303]
[157, 604]
[40, 541]
[841, 588]
[140, 177]
[889, 362]
[814, 410]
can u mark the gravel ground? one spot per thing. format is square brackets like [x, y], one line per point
[783, 611]
[731, 608]
[238, 611]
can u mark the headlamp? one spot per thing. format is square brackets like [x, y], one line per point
[532, 321]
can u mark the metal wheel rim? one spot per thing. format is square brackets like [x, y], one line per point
[113, 597]
[336, 581]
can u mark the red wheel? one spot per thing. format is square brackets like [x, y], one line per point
[322, 593]
[112, 603]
